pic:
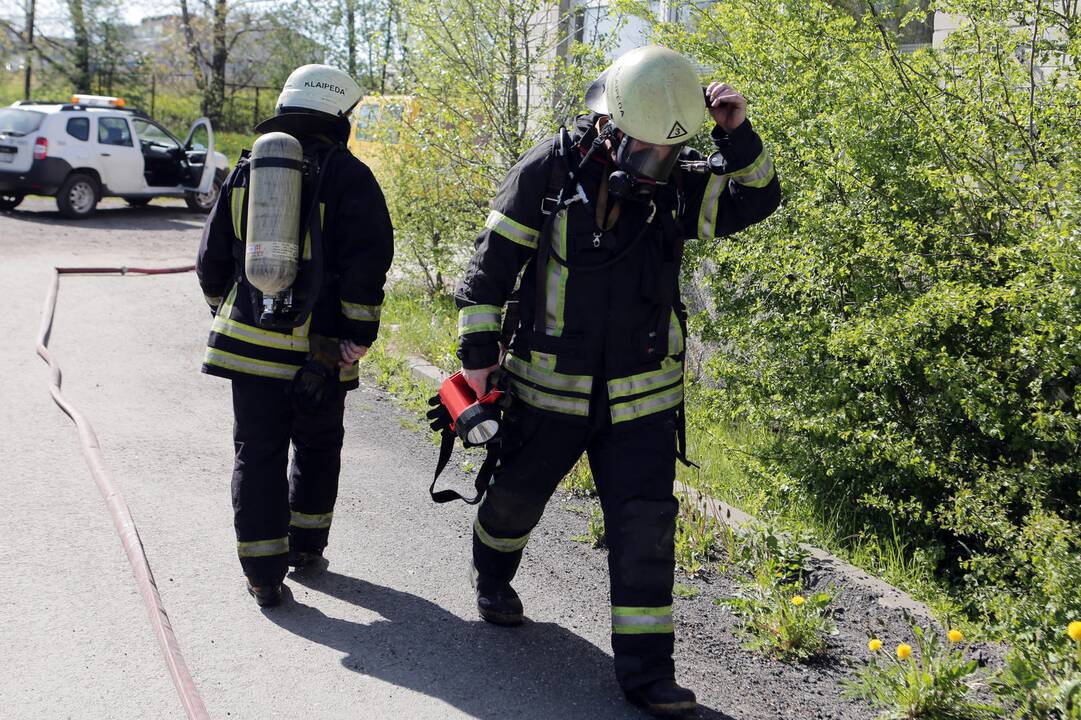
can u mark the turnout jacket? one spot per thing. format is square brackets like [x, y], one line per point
[358, 247]
[599, 312]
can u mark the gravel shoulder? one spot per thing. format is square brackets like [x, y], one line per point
[388, 631]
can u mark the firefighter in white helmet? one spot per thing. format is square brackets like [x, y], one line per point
[321, 227]
[598, 217]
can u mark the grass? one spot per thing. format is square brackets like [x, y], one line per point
[685, 592]
[231, 143]
[412, 325]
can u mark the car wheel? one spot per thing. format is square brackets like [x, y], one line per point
[203, 202]
[10, 201]
[138, 201]
[78, 196]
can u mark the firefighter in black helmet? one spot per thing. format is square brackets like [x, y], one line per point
[598, 217]
[289, 380]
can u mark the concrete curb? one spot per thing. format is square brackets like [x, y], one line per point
[887, 596]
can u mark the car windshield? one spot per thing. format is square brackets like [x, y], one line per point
[14, 121]
[152, 133]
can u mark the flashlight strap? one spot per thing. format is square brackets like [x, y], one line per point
[681, 437]
[484, 476]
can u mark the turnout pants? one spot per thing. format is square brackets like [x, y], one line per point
[277, 507]
[633, 465]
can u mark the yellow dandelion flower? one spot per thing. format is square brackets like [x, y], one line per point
[1074, 630]
[904, 651]
[797, 600]
[874, 645]
[955, 636]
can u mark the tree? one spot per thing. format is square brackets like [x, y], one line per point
[79, 72]
[484, 80]
[209, 65]
[74, 60]
[913, 21]
[28, 40]
[363, 37]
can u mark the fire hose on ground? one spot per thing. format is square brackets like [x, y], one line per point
[114, 500]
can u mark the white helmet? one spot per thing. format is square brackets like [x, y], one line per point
[321, 88]
[652, 94]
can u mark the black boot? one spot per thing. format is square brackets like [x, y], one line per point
[496, 601]
[302, 559]
[663, 698]
[266, 595]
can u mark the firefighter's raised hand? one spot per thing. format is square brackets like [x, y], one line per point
[728, 107]
[478, 379]
[351, 352]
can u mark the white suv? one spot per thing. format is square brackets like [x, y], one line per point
[94, 147]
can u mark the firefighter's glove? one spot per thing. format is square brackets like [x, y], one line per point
[314, 387]
[438, 417]
[316, 384]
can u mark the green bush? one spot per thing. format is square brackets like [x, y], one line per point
[906, 327]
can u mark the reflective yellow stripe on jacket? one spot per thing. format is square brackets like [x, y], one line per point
[629, 398]
[479, 318]
[756, 175]
[511, 229]
[557, 277]
[646, 393]
[249, 342]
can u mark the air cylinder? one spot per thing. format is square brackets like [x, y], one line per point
[272, 242]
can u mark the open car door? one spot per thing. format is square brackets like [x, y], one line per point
[199, 148]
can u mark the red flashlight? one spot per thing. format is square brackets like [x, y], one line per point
[476, 420]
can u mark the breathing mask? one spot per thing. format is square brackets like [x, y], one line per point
[642, 167]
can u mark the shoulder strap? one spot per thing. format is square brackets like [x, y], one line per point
[314, 220]
[558, 171]
[560, 177]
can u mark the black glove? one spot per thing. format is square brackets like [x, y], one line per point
[314, 387]
[438, 417]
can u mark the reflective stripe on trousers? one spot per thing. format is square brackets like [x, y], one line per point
[642, 620]
[263, 548]
[505, 545]
[310, 522]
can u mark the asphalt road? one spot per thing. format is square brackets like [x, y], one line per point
[388, 632]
